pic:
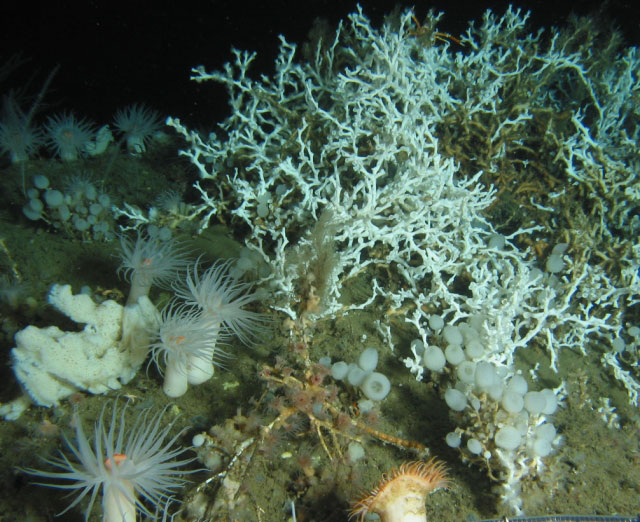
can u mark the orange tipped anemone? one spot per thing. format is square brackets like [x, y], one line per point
[401, 494]
[118, 458]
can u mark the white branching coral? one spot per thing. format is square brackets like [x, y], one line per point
[366, 133]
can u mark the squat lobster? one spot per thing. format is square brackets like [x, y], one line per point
[422, 31]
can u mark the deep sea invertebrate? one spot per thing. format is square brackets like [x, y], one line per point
[12, 291]
[149, 261]
[129, 465]
[138, 124]
[222, 299]
[80, 186]
[170, 201]
[18, 137]
[187, 344]
[401, 494]
[68, 135]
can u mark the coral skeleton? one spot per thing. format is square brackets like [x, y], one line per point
[300, 401]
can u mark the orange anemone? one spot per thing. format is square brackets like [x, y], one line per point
[401, 494]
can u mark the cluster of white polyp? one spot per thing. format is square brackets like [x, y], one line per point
[501, 420]
[80, 209]
[471, 349]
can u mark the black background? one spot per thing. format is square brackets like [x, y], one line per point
[112, 54]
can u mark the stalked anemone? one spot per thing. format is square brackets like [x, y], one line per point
[134, 467]
[186, 344]
[222, 299]
[68, 135]
[138, 124]
[148, 261]
[401, 494]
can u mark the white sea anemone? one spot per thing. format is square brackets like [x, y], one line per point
[18, 137]
[130, 465]
[149, 261]
[12, 291]
[138, 124]
[80, 188]
[170, 201]
[187, 344]
[68, 135]
[222, 298]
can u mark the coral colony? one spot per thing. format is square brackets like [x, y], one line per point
[380, 160]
